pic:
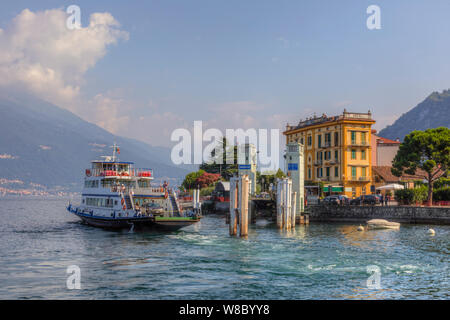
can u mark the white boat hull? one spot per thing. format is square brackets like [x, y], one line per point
[382, 224]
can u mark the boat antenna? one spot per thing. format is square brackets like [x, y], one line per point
[115, 150]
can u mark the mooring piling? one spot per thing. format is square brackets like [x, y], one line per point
[286, 204]
[197, 201]
[196, 205]
[293, 209]
[243, 205]
[239, 197]
[280, 194]
[233, 206]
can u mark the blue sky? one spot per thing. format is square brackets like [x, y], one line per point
[260, 63]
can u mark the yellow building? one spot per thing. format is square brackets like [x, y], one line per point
[337, 151]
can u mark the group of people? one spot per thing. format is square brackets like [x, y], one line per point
[384, 200]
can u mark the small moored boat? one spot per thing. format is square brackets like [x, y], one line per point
[382, 224]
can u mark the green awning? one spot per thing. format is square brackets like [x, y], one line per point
[334, 189]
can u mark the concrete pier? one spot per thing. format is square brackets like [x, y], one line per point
[360, 214]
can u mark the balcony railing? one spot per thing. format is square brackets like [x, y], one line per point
[326, 144]
[318, 162]
[360, 143]
[355, 178]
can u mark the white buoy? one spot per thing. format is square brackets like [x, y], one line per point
[431, 232]
[360, 228]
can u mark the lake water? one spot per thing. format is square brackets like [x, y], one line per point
[39, 239]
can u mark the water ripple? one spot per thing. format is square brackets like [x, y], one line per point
[320, 261]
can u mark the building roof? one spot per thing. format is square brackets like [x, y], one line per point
[112, 162]
[324, 119]
[381, 140]
[385, 173]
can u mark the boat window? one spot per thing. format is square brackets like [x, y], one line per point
[99, 202]
[106, 183]
[144, 183]
[91, 183]
[127, 183]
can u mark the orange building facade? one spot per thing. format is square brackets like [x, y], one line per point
[337, 151]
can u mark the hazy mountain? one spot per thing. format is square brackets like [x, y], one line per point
[433, 112]
[41, 143]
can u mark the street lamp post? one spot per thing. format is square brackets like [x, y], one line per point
[318, 190]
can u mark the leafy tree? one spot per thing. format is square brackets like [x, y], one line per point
[191, 179]
[280, 174]
[207, 191]
[411, 196]
[206, 179]
[266, 178]
[442, 183]
[224, 169]
[428, 150]
[199, 179]
[442, 194]
[263, 181]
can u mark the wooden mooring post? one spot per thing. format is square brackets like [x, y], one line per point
[239, 197]
[196, 205]
[286, 204]
[294, 207]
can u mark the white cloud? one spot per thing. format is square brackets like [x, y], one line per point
[342, 104]
[249, 114]
[235, 114]
[157, 128]
[285, 42]
[110, 113]
[7, 156]
[42, 56]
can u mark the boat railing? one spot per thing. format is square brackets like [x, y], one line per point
[127, 190]
[141, 173]
[122, 189]
[151, 189]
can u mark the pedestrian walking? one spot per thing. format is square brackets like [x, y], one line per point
[386, 200]
[381, 199]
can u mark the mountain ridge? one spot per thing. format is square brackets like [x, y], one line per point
[50, 146]
[432, 112]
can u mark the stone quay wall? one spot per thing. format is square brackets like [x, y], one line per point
[402, 214]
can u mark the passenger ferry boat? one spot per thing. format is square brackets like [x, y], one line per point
[118, 196]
